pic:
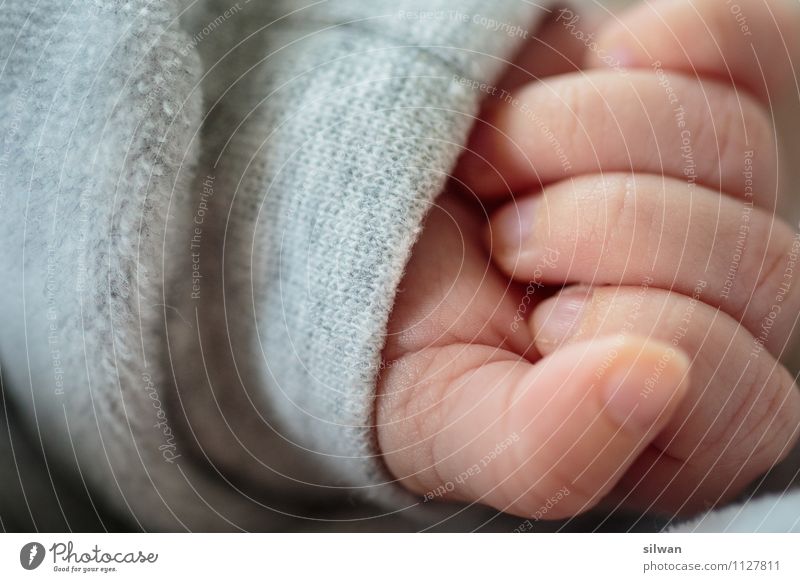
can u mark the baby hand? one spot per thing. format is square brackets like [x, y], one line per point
[652, 379]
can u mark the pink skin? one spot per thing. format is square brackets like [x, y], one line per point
[642, 382]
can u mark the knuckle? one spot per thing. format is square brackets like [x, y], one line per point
[635, 218]
[409, 414]
[603, 214]
[734, 128]
[771, 249]
[763, 424]
[772, 423]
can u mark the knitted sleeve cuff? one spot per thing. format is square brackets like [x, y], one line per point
[375, 108]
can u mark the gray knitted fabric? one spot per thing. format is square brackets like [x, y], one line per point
[206, 209]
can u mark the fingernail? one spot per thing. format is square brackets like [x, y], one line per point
[613, 48]
[619, 57]
[613, 56]
[558, 318]
[512, 227]
[643, 382]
